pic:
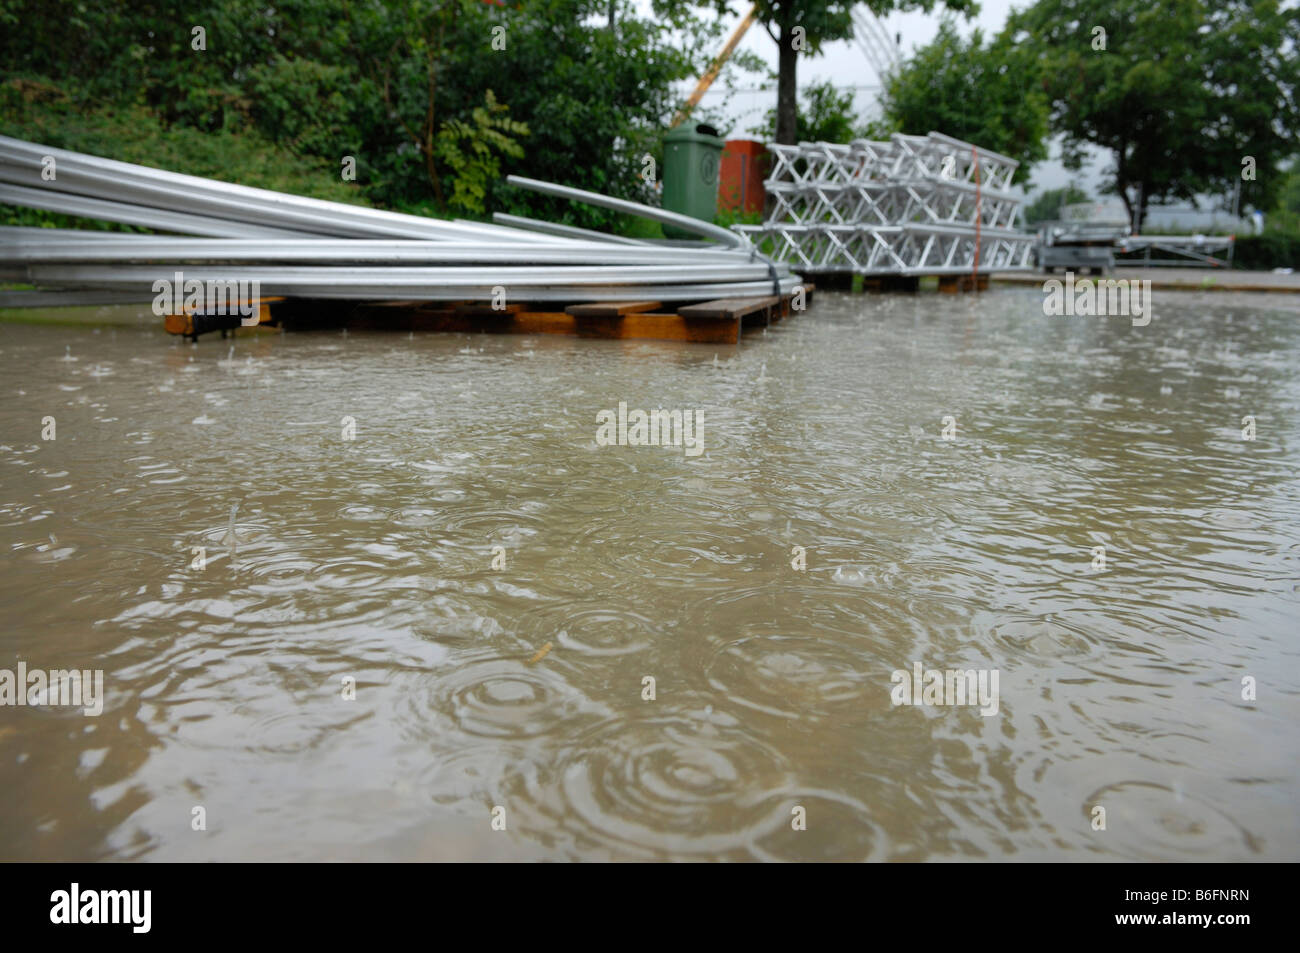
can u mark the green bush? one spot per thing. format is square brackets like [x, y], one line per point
[1272, 249]
[825, 114]
[400, 85]
[39, 111]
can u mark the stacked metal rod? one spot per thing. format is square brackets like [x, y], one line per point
[296, 246]
[914, 205]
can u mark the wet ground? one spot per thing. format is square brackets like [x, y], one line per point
[439, 598]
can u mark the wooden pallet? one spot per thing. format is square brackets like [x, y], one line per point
[955, 284]
[708, 322]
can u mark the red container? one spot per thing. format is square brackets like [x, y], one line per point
[740, 178]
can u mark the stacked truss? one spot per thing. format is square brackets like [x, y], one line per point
[914, 205]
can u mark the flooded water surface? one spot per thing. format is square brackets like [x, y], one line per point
[377, 596]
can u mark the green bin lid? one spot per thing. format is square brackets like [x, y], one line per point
[697, 132]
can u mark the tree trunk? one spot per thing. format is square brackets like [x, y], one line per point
[1122, 184]
[1137, 210]
[787, 88]
[1122, 188]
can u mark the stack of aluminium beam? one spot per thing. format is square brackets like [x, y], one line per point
[913, 205]
[294, 246]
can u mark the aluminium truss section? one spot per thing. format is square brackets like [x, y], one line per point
[908, 249]
[932, 179]
[952, 160]
[902, 157]
[932, 201]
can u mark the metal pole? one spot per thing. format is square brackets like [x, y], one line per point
[685, 222]
[554, 228]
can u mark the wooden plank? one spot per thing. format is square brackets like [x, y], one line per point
[952, 284]
[263, 307]
[544, 322]
[178, 324]
[485, 308]
[635, 326]
[199, 320]
[728, 307]
[610, 309]
[676, 327]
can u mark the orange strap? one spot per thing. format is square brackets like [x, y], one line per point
[975, 269]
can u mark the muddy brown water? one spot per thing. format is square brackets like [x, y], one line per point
[473, 519]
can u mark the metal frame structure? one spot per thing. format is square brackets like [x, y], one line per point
[1190, 249]
[912, 205]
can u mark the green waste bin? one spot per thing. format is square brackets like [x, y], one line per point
[692, 155]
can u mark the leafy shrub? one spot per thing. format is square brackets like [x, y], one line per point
[1272, 249]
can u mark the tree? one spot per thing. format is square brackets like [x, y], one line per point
[825, 115]
[1190, 97]
[986, 94]
[401, 86]
[469, 150]
[1286, 212]
[805, 26]
[1047, 206]
[596, 100]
